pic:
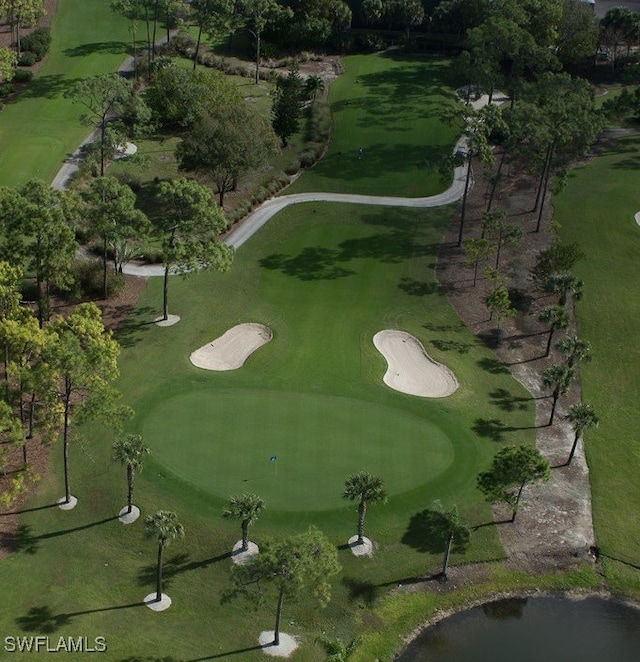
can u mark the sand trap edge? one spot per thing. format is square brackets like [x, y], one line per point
[231, 350]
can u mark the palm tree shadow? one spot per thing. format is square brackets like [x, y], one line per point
[43, 621]
[22, 540]
[63, 532]
[490, 428]
[217, 656]
[170, 568]
[507, 401]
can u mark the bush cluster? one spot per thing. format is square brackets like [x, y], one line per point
[275, 183]
[35, 46]
[89, 279]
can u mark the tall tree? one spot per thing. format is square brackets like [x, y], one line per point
[287, 105]
[131, 10]
[103, 98]
[302, 563]
[453, 528]
[559, 378]
[188, 229]
[22, 14]
[85, 359]
[512, 468]
[129, 451]
[404, 13]
[212, 18]
[226, 143]
[257, 13]
[477, 250]
[114, 218]
[366, 489]
[499, 304]
[8, 64]
[500, 232]
[49, 221]
[165, 528]
[582, 416]
[557, 318]
[246, 508]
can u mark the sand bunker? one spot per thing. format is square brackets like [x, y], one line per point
[410, 369]
[233, 348]
[637, 217]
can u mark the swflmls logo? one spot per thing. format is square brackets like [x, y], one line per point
[55, 645]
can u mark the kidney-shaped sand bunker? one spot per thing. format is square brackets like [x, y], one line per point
[233, 348]
[410, 369]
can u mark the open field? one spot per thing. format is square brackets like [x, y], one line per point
[389, 105]
[597, 211]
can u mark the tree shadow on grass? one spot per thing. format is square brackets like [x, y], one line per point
[64, 532]
[361, 590]
[43, 621]
[418, 288]
[21, 540]
[48, 86]
[509, 402]
[452, 346]
[170, 568]
[216, 656]
[129, 333]
[489, 428]
[313, 263]
[494, 366]
[111, 47]
[428, 530]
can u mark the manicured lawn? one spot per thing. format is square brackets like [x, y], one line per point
[389, 104]
[597, 211]
[40, 129]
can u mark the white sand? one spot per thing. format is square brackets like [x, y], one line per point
[170, 321]
[157, 605]
[63, 505]
[239, 555]
[637, 217]
[361, 549]
[233, 348]
[286, 646]
[410, 369]
[129, 517]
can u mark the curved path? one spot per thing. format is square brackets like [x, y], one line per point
[244, 230]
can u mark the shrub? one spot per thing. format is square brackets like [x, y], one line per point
[89, 279]
[27, 59]
[22, 76]
[6, 89]
[38, 42]
[318, 122]
[291, 167]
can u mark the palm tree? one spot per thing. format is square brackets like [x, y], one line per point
[564, 284]
[365, 488]
[455, 529]
[164, 527]
[129, 451]
[582, 416]
[557, 318]
[575, 350]
[313, 86]
[246, 508]
[559, 377]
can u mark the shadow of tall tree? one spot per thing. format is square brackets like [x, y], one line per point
[429, 530]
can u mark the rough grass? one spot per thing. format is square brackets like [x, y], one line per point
[597, 210]
[42, 128]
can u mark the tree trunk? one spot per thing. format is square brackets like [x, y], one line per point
[245, 535]
[165, 295]
[159, 575]
[129, 488]
[257, 57]
[545, 185]
[105, 261]
[197, 51]
[155, 25]
[475, 273]
[447, 552]
[464, 201]
[276, 633]
[551, 330]
[65, 448]
[362, 511]
[496, 179]
[556, 395]
[573, 448]
[515, 508]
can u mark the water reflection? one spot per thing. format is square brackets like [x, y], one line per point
[533, 630]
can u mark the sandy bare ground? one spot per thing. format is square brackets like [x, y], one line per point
[233, 348]
[410, 369]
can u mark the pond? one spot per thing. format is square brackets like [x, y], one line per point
[593, 629]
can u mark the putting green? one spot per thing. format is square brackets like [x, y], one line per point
[223, 442]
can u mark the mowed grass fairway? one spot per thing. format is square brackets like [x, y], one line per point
[390, 104]
[325, 278]
[597, 211]
[42, 128]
